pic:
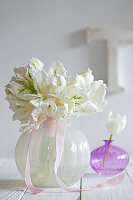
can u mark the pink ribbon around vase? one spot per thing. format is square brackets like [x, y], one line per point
[60, 135]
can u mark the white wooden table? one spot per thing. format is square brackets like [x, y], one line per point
[12, 187]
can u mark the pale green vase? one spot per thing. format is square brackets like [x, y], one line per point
[74, 163]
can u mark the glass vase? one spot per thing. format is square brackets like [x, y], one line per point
[42, 155]
[109, 160]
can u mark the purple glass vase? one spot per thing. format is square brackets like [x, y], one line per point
[109, 160]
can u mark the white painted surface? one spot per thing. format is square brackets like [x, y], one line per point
[113, 38]
[123, 35]
[12, 187]
[52, 30]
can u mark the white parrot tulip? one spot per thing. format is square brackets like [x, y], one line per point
[116, 123]
[34, 94]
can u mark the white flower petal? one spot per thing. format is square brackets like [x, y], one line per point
[57, 68]
[116, 123]
[35, 63]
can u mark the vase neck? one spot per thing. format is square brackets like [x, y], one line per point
[108, 142]
[50, 122]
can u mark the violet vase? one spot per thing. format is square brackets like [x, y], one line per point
[109, 160]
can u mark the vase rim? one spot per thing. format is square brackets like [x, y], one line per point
[108, 141]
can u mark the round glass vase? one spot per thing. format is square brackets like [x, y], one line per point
[109, 160]
[42, 155]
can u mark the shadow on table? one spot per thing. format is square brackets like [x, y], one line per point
[12, 184]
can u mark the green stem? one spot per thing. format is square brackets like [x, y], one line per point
[107, 153]
[109, 144]
[110, 137]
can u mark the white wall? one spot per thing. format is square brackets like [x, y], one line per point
[52, 30]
